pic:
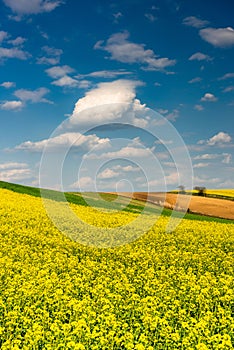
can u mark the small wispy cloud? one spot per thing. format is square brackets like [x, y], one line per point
[52, 56]
[198, 56]
[195, 22]
[199, 108]
[195, 80]
[150, 17]
[228, 89]
[227, 76]
[107, 74]
[7, 84]
[201, 165]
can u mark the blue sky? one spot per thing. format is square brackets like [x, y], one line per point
[164, 67]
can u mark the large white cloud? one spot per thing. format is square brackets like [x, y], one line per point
[110, 102]
[125, 51]
[219, 37]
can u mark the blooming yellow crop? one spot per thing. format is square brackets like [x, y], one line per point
[226, 193]
[163, 291]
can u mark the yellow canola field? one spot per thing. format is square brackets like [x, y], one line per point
[227, 193]
[163, 291]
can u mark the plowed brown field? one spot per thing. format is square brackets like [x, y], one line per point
[221, 208]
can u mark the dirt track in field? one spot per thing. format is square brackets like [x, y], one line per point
[221, 208]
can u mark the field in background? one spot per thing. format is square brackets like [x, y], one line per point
[224, 193]
[215, 207]
[216, 193]
[163, 291]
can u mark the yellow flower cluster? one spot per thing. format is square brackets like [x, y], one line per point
[163, 291]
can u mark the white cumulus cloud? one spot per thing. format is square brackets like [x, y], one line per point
[208, 97]
[107, 174]
[125, 51]
[69, 140]
[24, 7]
[114, 101]
[219, 138]
[125, 152]
[33, 96]
[59, 71]
[218, 37]
[13, 53]
[11, 105]
[17, 41]
[65, 81]
[84, 183]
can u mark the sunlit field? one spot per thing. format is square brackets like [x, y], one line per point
[163, 291]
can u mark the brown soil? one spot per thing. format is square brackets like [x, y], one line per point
[221, 208]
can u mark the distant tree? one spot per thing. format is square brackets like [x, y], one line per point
[181, 189]
[201, 190]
